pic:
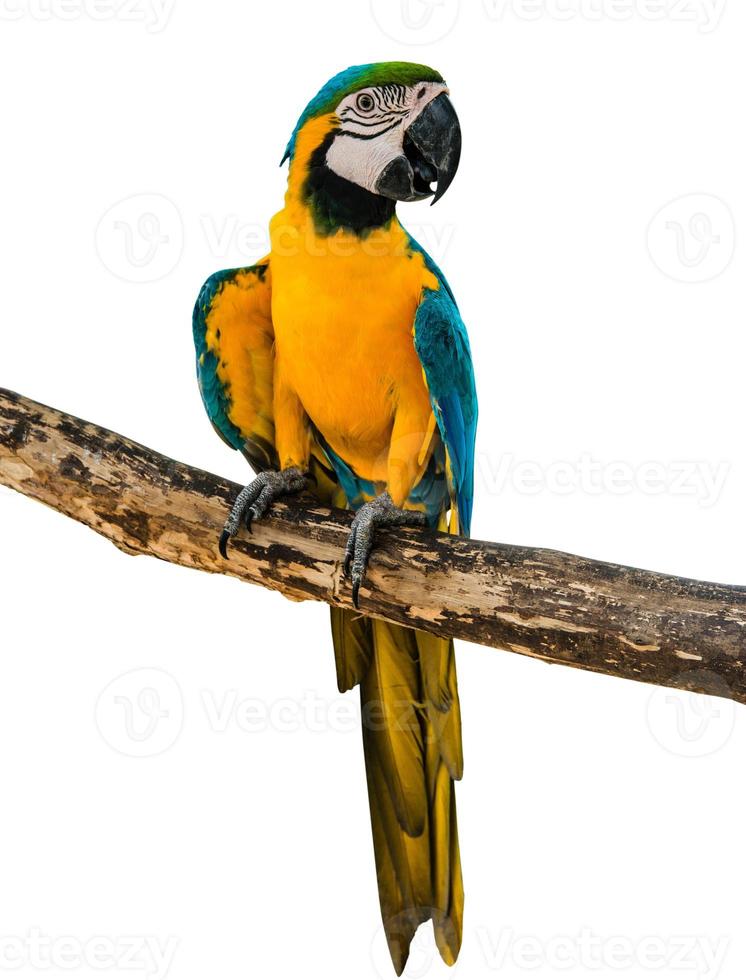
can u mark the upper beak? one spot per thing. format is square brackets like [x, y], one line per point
[432, 149]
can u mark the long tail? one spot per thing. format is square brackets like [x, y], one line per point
[413, 754]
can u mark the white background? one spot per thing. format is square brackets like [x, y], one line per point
[601, 822]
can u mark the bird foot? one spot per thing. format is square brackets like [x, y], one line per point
[379, 512]
[255, 500]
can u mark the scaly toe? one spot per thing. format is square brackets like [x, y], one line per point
[379, 512]
[256, 499]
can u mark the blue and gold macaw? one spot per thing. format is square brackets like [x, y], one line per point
[340, 363]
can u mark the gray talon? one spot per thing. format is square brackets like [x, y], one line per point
[255, 500]
[379, 512]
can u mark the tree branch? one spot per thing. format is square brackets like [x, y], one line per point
[557, 607]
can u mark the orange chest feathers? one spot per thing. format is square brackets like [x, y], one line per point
[343, 310]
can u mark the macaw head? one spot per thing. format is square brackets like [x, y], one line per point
[388, 129]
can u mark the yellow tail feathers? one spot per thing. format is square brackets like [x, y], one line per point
[412, 744]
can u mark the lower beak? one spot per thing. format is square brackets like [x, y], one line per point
[432, 149]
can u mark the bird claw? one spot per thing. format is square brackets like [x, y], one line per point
[223, 544]
[379, 512]
[256, 499]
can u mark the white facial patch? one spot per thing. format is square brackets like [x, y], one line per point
[372, 126]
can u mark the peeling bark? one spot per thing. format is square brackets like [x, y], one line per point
[556, 607]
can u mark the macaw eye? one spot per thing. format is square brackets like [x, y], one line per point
[365, 102]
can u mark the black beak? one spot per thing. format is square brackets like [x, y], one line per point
[432, 149]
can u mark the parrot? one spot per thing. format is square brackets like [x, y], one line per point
[339, 365]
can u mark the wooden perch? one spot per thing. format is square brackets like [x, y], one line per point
[557, 607]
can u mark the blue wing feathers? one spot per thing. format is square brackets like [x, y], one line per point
[432, 266]
[442, 345]
[213, 393]
[215, 396]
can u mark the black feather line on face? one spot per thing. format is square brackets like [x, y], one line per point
[369, 136]
[394, 94]
[349, 115]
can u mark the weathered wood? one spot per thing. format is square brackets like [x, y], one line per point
[560, 608]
